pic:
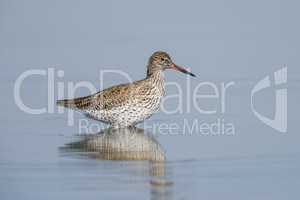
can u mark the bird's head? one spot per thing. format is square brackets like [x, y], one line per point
[161, 60]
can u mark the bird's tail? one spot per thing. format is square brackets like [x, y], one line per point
[78, 103]
[68, 103]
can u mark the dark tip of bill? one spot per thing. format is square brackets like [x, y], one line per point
[193, 75]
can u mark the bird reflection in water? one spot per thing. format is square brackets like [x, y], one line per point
[128, 144]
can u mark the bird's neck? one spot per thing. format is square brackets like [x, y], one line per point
[158, 79]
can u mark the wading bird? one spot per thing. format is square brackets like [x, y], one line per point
[128, 104]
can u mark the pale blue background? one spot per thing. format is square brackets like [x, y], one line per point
[220, 41]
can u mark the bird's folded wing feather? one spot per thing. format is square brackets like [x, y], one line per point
[115, 96]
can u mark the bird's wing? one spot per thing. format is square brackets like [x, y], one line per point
[115, 96]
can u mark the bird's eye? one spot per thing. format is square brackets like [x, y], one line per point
[162, 59]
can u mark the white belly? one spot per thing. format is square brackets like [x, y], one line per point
[127, 115]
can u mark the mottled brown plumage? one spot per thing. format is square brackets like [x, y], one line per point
[127, 104]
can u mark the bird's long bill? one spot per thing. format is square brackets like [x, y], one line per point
[181, 69]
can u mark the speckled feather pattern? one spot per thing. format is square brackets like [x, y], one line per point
[126, 104]
[123, 105]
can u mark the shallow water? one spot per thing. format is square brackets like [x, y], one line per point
[271, 177]
[33, 166]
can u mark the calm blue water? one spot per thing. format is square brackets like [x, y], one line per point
[33, 168]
